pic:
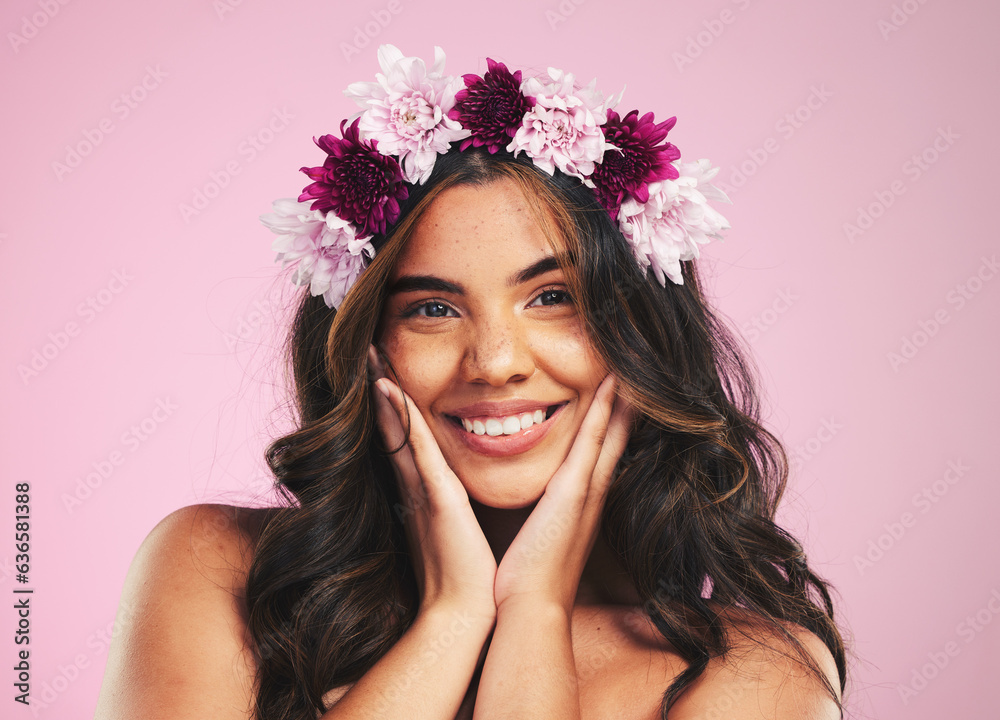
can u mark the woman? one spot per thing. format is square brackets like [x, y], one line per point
[528, 478]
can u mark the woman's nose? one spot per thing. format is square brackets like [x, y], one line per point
[498, 352]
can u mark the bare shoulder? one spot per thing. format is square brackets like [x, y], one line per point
[764, 676]
[181, 650]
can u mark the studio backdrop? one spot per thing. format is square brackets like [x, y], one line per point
[143, 315]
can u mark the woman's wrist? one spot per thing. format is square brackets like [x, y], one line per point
[530, 669]
[426, 674]
[478, 619]
[538, 607]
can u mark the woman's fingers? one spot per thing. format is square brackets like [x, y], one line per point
[452, 559]
[393, 432]
[615, 440]
[548, 554]
[423, 465]
[430, 463]
[599, 443]
[376, 368]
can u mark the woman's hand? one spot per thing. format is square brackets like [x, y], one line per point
[544, 562]
[530, 670]
[454, 563]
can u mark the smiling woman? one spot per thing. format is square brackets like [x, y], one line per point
[481, 331]
[528, 478]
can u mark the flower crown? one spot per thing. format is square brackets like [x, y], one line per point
[410, 115]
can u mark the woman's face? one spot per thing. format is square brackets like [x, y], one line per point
[482, 333]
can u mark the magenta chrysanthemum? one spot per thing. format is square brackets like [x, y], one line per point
[356, 182]
[414, 113]
[637, 159]
[491, 107]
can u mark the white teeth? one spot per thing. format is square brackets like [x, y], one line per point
[510, 425]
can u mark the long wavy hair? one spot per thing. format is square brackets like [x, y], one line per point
[689, 514]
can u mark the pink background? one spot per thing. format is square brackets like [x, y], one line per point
[186, 313]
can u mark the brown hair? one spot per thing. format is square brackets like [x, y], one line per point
[690, 513]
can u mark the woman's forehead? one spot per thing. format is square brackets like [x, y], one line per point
[475, 226]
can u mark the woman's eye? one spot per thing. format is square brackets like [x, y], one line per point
[552, 297]
[432, 310]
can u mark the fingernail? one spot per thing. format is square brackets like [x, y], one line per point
[383, 387]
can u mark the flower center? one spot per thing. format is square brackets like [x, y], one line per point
[562, 132]
[411, 117]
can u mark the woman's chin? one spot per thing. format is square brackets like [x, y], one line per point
[516, 497]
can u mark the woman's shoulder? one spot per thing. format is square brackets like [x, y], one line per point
[765, 675]
[223, 528]
[180, 644]
[624, 666]
[202, 547]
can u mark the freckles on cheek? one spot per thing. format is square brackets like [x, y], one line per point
[418, 363]
[572, 354]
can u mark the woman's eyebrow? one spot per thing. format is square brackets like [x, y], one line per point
[432, 283]
[546, 264]
[427, 283]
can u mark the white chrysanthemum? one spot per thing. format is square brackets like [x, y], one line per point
[676, 220]
[406, 110]
[326, 252]
[563, 129]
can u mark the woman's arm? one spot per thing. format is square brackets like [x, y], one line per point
[178, 650]
[425, 675]
[530, 671]
[181, 651]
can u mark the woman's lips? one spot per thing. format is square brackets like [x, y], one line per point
[503, 445]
